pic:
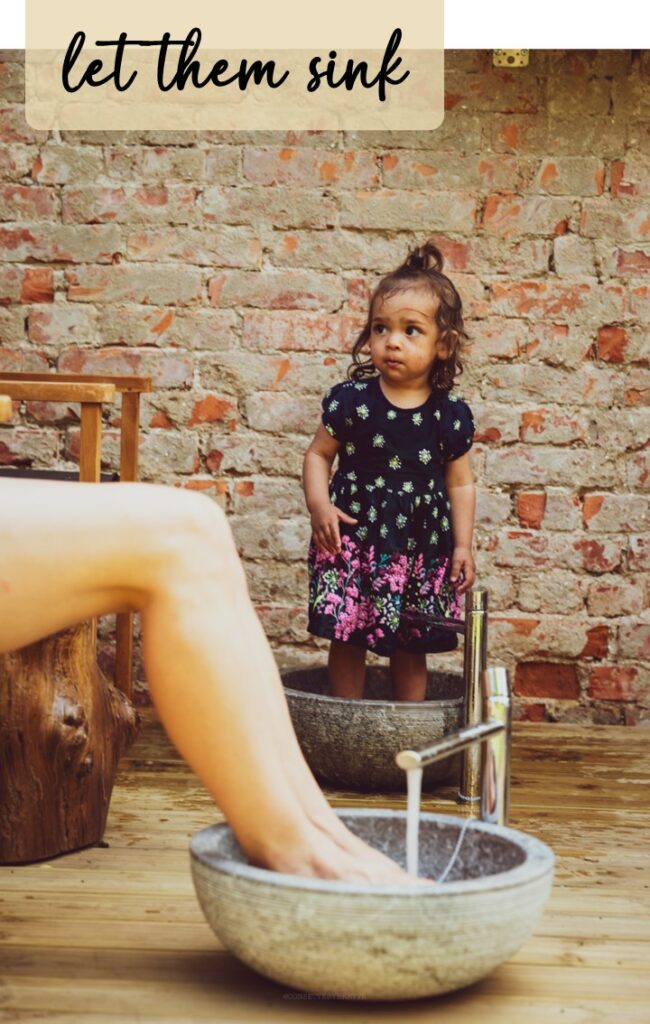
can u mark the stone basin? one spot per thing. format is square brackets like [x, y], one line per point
[379, 942]
[351, 744]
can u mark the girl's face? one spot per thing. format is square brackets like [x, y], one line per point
[404, 336]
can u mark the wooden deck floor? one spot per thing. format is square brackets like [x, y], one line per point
[115, 933]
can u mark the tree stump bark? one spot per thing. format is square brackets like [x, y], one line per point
[63, 729]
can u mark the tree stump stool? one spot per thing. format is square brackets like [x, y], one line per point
[63, 728]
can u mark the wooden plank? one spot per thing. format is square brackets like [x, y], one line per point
[56, 391]
[123, 383]
[177, 985]
[129, 434]
[6, 408]
[290, 1007]
[124, 653]
[91, 443]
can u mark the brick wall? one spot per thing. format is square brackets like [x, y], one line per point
[235, 267]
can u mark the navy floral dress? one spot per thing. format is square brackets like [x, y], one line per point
[397, 558]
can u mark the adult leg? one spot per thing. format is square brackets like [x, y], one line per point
[409, 674]
[346, 668]
[71, 552]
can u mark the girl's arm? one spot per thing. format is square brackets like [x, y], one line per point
[459, 483]
[316, 469]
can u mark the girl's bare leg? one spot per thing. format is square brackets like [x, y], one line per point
[71, 552]
[346, 667]
[409, 675]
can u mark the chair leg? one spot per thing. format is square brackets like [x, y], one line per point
[129, 445]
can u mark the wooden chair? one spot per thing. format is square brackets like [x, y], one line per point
[91, 391]
[63, 726]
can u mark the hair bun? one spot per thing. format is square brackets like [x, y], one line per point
[425, 257]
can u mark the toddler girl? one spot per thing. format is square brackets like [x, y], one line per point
[392, 531]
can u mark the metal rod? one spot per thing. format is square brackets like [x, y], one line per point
[495, 781]
[474, 665]
[450, 744]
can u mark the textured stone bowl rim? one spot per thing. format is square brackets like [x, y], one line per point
[539, 861]
[397, 704]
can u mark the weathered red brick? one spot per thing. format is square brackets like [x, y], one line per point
[612, 682]
[549, 298]
[612, 343]
[591, 506]
[175, 204]
[530, 712]
[507, 214]
[286, 289]
[632, 262]
[166, 369]
[213, 460]
[14, 127]
[615, 596]
[310, 167]
[630, 177]
[638, 554]
[546, 679]
[212, 410]
[144, 283]
[17, 361]
[597, 642]
[634, 640]
[38, 285]
[27, 202]
[640, 301]
[598, 555]
[620, 220]
[530, 509]
[161, 420]
[299, 331]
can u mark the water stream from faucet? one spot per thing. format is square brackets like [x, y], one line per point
[414, 792]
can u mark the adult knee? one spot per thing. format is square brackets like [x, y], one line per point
[207, 532]
[197, 537]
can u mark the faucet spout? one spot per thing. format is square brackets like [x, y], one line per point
[451, 744]
[494, 733]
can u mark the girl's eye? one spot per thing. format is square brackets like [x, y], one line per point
[380, 329]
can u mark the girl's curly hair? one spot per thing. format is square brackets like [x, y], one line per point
[422, 268]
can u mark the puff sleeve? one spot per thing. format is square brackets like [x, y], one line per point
[457, 428]
[334, 411]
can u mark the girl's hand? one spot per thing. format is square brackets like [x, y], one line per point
[325, 527]
[462, 562]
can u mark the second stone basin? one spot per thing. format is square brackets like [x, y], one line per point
[350, 940]
[351, 744]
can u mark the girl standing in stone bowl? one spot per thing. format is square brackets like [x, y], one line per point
[392, 531]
